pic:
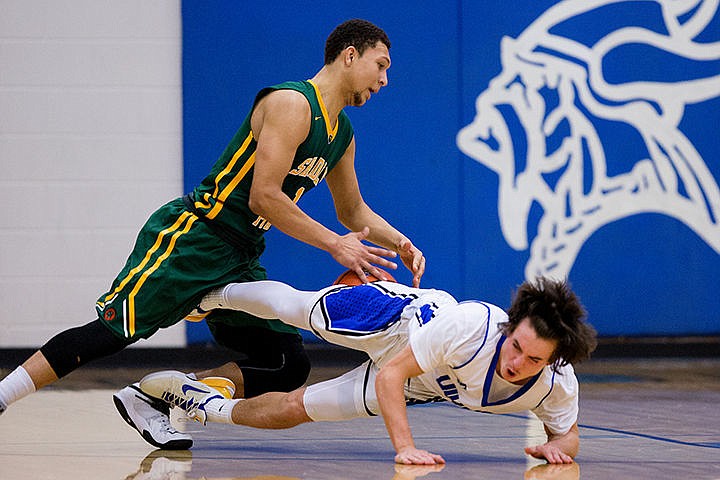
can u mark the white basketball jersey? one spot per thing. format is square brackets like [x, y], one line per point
[458, 349]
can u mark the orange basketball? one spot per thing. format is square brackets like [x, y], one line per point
[349, 277]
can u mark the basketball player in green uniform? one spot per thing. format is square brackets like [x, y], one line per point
[296, 135]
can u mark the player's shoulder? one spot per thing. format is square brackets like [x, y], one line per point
[284, 100]
[475, 310]
[469, 318]
[284, 110]
[564, 379]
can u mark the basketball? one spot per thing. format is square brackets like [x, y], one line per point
[349, 277]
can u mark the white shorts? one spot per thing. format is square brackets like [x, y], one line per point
[372, 318]
[352, 395]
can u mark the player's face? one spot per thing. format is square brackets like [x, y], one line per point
[524, 354]
[369, 73]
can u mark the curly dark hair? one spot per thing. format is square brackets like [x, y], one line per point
[555, 312]
[361, 34]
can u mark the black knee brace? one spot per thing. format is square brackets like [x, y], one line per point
[283, 372]
[74, 347]
[273, 361]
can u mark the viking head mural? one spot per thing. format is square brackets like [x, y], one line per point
[585, 121]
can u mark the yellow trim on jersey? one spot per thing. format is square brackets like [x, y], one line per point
[221, 196]
[205, 203]
[181, 219]
[231, 163]
[332, 132]
[171, 246]
[220, 200]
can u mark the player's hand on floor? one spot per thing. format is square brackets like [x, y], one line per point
[414, 456]
[549, 452]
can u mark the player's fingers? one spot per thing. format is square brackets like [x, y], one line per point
[557, 457]
[561, 457]
[372, 262]
[381, 252]
[419, 262]
[413, 458]
[418, 272]
[360, 272]
[423, 457]
[533, 452]
[373, 267]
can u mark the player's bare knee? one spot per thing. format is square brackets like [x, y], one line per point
[296, 406]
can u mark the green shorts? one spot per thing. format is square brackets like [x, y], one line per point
[176, 260]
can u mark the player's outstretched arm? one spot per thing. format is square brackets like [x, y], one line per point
[389, 386]
[356, 215]
[280, 123]
[558, 448]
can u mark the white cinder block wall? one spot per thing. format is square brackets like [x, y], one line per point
[90, 145]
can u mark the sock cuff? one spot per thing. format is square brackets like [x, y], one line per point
[15, 386]
[24, 377]
[213, 299]
[220, 411]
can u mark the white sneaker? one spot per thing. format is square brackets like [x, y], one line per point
[183, 392]
[150, 417]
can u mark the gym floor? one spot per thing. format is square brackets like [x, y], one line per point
[640, 418]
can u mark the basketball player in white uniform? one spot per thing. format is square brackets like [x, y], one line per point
[423, 346]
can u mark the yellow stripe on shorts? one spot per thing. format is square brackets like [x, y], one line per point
[171, 246]
[181, 219]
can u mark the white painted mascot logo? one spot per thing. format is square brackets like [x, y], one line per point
[557, 91]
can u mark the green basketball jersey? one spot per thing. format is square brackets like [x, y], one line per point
[223, 195]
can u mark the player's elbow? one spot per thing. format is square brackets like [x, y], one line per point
[386, 378]
[255, 205]
[381, 381]
[260, 201]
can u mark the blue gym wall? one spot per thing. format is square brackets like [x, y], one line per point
[629, 208]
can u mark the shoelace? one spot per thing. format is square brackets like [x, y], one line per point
[164, 422]
[188, 405]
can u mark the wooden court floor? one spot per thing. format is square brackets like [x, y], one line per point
[640, 419]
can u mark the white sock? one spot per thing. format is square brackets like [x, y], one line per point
[214, 299]
[265, 299]
[220, 410]
[15, 386]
